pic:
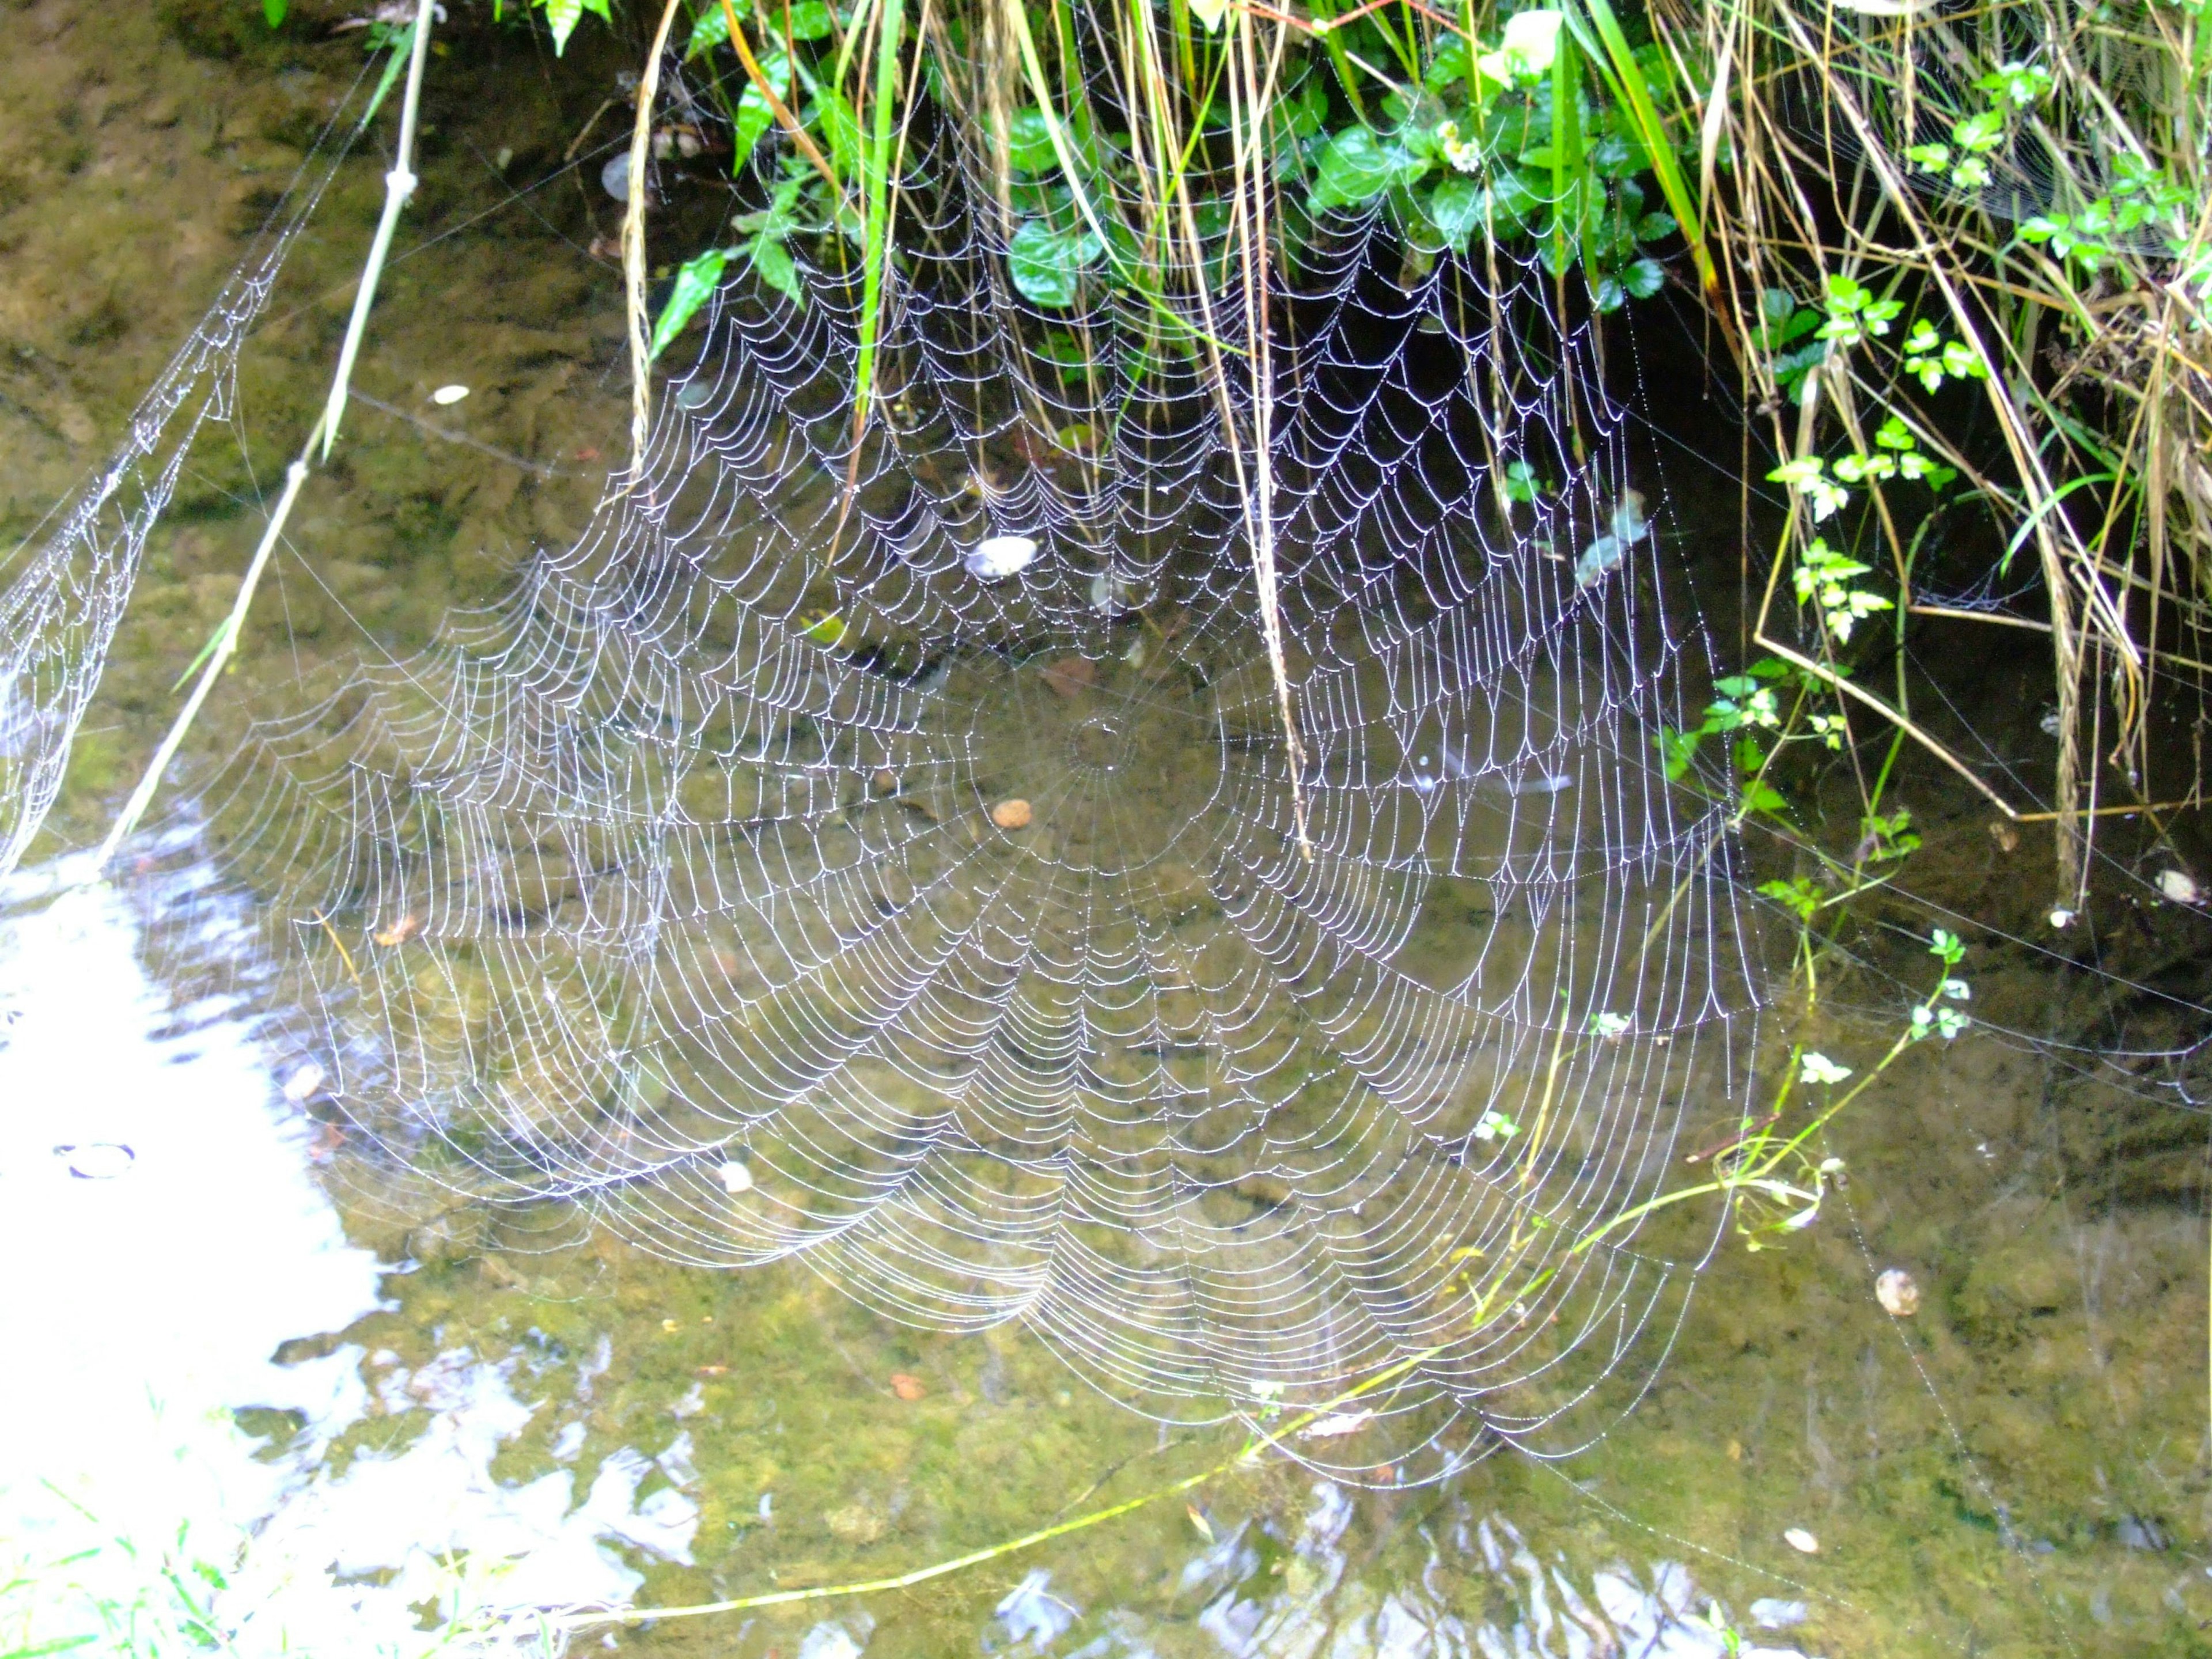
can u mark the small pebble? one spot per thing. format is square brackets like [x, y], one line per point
[735, 1177]
[1011, 814]
[1899, 1296]
[999, 557]
[1803, 1541]
[446, 396]
[907, 1388]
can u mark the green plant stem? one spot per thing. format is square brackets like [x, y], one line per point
[1260, 1438]
[400, 185]
[633, 244]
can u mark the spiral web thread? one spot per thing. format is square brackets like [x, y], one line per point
[648, 892]
[61, 599]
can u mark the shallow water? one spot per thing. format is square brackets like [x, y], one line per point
[518, 1409]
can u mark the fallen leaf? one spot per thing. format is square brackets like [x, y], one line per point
[400, 931]
[1071, 676]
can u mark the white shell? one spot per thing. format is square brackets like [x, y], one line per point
[1899, 1296]
[100, 1160]
[2181, 886]
[735, 1178]
[1803, 1541]
[1337, 1424]
[999, 557]
[445, 396]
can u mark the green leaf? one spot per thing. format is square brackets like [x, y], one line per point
[1643, 279]
[772, 263]
[1358, 166]
[710, 29]
[810, 21]
[1454, 208]
[1655, 228]
[695, 282]
[1513, 197]
[754, 117]
[272, 13]
[1029, 142]
[562, 17]
[1047, 264]
[1761, 798]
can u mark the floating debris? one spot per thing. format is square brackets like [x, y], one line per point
[1033, 1614]
[446, 396]
[2060, 917]
[1111, 594]
[907, 1387]
[97, 1160]
[1800, 1541]
[1769, 1612]
[1899, 1296]
[694, 394]
[614, 177]
[999, 557]
[400, 932]
[1337, 1424]
[1071, 676]
[735, 1177]
[1012, 814]
[1627, 527]
[304, 1084]
[2181, 887]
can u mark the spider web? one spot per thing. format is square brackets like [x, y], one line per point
[653, 891]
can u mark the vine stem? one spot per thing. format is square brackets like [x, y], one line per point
[633, 243]
[1260, 1438]
[398, 186]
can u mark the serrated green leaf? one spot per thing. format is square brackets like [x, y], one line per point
[1643, 279]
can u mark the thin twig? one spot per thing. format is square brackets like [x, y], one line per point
[400, 184]
[633, 245]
